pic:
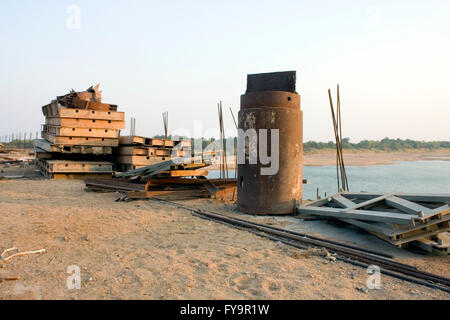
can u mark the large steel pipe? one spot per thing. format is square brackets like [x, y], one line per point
[270, 103]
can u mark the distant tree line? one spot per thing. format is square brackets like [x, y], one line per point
[385, 144]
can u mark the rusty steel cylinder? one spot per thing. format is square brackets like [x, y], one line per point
[270, 104]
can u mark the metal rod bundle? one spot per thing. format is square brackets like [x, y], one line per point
[341, 174]
[166, 124]
[223, 162]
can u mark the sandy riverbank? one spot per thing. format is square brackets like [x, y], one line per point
[370, 158]
[150, 250]
[362, 157]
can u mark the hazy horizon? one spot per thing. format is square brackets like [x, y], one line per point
[391, 60]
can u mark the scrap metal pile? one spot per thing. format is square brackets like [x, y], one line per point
[136, 152]
[78, 136]
[174, 179]
[398, 218]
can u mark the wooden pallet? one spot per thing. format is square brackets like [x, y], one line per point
[77, 176]
[183, 173]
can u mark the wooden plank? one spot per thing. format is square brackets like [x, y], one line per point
[66, 166]
[81, 132]
[85, 123]
[183, 143]
[367, 215]
[189, 166]
[184, 173]
[130, 140]
[80, 141]
[151, 142]
[189, 181]
[169, 152]
[140, 160]
[63, 112]
[79, 176]
[225, 193]
[168, 195]
[136, 150]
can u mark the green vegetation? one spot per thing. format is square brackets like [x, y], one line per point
[385, 144]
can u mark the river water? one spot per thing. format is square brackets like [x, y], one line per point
[431, 176]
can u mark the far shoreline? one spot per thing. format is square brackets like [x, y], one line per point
[366, 157]
[373, 157]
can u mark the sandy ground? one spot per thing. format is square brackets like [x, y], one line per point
[150, 250]
[369, 158]
[361, 157]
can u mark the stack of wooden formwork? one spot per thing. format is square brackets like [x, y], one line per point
[79, 135]
[135, 152]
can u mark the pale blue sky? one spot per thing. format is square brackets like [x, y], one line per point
[391, 58]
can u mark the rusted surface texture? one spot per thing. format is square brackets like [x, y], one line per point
[276, 193]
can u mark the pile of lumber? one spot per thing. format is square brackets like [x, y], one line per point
[398, 218]
[135, 152]
[174, 179]
[79, 135]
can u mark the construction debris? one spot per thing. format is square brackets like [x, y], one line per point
[136, 152]
[2, 255]
[2, 279]
[397, 218]
[175, 179]
[78, 124]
